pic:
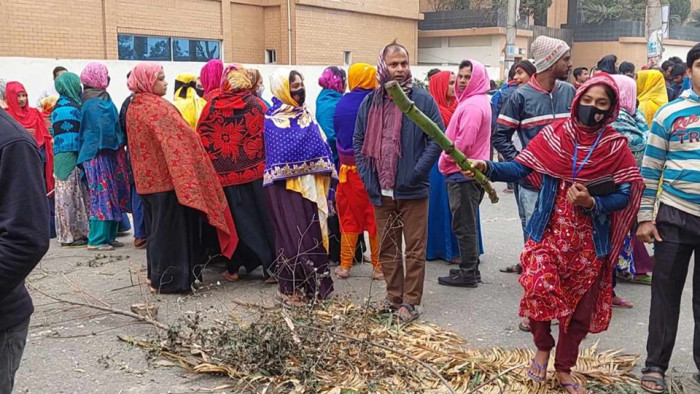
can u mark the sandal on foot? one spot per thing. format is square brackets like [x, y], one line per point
[513, 269]
[229, 277]
[100, 247]
[622, 303]
[525, 327]
[378, 274]
[658, 381]
[642, 280]
[117, 244]
[385, 307]
[567, 386]
[540, 369]
[342, 273]
[413, 314]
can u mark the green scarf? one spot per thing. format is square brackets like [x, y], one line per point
[68, 84]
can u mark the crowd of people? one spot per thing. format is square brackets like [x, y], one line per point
[598, 168]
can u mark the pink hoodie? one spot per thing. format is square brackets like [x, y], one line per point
[470, 127]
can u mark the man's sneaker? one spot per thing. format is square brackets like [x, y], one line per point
[458, 280]
[457, 271]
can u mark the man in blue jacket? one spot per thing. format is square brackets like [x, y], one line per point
[394, 158]
[544, 100]
[24, 239]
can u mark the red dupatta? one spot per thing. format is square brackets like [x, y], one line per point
[439, 83]
[32, 120]
[551, 153]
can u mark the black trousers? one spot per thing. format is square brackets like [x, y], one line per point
[465, 198]
[680, 233]
[12, 341]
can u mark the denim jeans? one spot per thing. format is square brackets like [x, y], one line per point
[527, 201]
[465, 198]
[12, 343]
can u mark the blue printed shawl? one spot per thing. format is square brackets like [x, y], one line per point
[65, 120]
[294, 145]
[636, 130]
[100, 128]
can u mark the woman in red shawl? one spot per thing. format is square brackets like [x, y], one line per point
[590, 190]
[231, 128]
[32, 120]
[177, 183]
[442, 243]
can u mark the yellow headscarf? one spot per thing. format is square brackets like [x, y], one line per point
[651, 93]
[279, 86]
[191, 105]
[362, 75]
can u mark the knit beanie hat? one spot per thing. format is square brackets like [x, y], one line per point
[546, 51]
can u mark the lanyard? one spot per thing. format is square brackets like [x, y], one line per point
[574, 171]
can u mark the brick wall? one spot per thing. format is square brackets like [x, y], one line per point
[275, 36]
[182, 18]
[323, 34]
[52, 28]
[248, 38]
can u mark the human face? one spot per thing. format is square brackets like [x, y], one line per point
[583, 77]
[59, 73]
[629, 74]
[562, 68]
[397, 64]
[463, 78]
[521, 77]
[451, 86]
[198, 84]
[694, 74]
[296, 83]
[161, 86]
[596, 96]
[678, 79]
[667, 73]
[22, 99]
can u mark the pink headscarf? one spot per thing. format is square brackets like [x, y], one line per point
[333, 78]
[628, 92]
[95, 75]
[143, 77]
[211, 75]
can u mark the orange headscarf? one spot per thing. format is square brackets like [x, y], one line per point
[362, 75]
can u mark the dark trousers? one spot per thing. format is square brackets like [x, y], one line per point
[465, 198]
[680, 232]
[407, 218]
[570, 337]
[12, 343]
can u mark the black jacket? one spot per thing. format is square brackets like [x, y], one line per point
[24, 219]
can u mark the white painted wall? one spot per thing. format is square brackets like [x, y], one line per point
[35, 75]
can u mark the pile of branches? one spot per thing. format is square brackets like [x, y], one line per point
[339, 347]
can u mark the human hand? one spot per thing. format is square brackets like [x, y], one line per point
[477, 165]
[578, 195]
[648, 233]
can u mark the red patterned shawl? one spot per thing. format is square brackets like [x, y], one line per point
[231, 128]
[167, 155]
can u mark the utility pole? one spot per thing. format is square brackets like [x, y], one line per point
[654, 32]
[511, 32]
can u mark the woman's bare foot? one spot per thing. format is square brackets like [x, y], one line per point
[154, 290]
[378, 274]
[342, 273]
[148, 282]
[292, 300]
[622, 303]
[538, 367]
[229, 277]
[570, 385]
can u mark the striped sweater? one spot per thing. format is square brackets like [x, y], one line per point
[673, 150]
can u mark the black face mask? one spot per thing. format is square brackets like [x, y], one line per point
[591, 116]
[200, 91]
[299, 96]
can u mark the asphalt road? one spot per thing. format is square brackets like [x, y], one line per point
[75, 350]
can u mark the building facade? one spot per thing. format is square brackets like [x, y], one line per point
[248, 31]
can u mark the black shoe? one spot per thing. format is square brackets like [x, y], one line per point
[457, 271]
[458, 279]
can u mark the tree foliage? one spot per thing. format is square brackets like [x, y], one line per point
[599, 11]
[527, 7]
[680, 11]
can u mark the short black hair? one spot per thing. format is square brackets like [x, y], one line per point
[433, 72]
[465, 63]
[665, 65]
[395, 47]
[58, 70]
[676, 60]
[493, 85]
[693, 55]
[578, 71]
[511, 72]
[626, 67]
[678, 69]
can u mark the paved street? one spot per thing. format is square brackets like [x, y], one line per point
[63, 357]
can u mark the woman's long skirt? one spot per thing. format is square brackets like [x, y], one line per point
[107, 175]
[174, 251]
[72, 221]
[256, 242]
[302, 260]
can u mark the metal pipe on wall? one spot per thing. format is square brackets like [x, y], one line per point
[289, 31]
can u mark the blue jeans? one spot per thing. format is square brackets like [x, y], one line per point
[527, 201]
[12, 343]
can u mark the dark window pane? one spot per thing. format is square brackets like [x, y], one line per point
[185, 50]
[144, 48]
